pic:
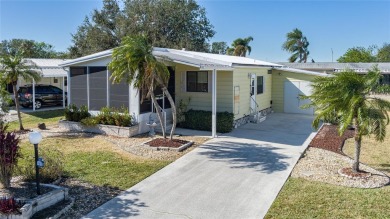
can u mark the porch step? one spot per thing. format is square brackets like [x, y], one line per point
[257, 118]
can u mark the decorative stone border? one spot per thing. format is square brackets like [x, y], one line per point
[100, 129]
[39, 203]
[64, 210]
[366, 175]
[179, 149]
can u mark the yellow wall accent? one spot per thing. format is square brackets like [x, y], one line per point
[200, 100]
[278, 79]
[241, 78]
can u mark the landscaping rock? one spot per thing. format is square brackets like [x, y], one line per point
[323, 166]
[42, 126]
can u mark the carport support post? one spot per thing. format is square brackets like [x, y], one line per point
[63, 92]
[33, 94]
[214, 104]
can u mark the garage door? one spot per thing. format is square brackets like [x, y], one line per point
[292, 102]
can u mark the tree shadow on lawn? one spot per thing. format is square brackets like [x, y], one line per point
[263, 158]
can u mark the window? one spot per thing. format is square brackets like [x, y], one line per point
[197, 81]
[56, 90]
[260, 84]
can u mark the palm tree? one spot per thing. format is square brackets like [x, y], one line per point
[13, 67]
[296, 44]
[134, 62]
[240, 47]
[347, 96]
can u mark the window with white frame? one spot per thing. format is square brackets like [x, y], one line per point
[197, 81]
[260, 84]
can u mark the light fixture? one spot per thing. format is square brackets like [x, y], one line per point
[35, 138]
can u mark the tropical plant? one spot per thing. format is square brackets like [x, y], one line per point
[134, 62]
[296, 44]
[348, 95]
[9, 154]
[13, 67]
[240, 47]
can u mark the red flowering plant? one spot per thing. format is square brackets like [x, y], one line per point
[9, 205]
[9, 154]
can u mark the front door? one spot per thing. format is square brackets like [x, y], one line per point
[253, 93]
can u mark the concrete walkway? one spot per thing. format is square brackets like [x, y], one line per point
[234, 176]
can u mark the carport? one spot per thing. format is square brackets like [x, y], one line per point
[288, 85]
[51, 74]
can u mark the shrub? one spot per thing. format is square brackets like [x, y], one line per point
[10, 205]
[113, 116]
[53, 169]
[9, 154]
[383, 89]
[72, 113]
[201, 120]
[89, 121]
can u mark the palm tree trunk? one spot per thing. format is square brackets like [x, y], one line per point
[17, 105]
[170, 99]
[173, 108]
[158, 110]
[358, 144]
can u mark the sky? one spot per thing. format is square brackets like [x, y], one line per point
[328, 25]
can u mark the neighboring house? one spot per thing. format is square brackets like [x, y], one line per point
[246, 87]
[334, 67]
[51, 72]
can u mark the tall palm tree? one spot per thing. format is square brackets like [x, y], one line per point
[240, 47]
[13, 67]
[134, 62]
[297, 44]
[347, 95]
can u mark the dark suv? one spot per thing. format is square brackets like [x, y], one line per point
[44, 95]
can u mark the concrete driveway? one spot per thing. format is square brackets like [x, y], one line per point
[234, 176]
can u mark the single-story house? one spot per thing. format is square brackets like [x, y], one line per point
[247, 87]
[334, 67]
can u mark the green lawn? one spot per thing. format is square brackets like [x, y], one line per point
[31, 120]
[97, 161]
[373, 153]
[91, 159]
[301, 198]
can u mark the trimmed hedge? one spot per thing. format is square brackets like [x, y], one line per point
[201, 120]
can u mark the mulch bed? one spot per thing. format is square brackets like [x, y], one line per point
[23, 190]
[328, 138]
[348, 172]
[162, 142]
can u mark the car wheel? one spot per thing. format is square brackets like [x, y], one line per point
[24, 106]
[38, 104]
